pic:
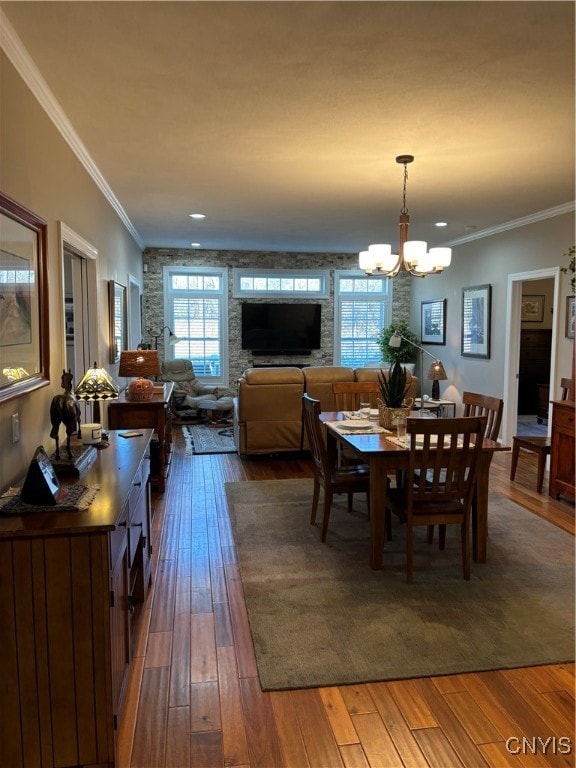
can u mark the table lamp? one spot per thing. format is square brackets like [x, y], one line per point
[436, 372]
[140, 363]
[94, 386]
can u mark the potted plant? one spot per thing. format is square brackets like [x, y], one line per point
[405, 353]
[392, 401]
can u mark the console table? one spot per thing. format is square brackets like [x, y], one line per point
[73, 585]
[156, 414]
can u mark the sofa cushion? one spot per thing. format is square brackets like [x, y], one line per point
[287, 375]
[318, 380]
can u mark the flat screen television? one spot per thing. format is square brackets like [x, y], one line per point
[280, 328]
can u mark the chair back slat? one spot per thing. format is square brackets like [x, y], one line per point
[485, 405]
[349, 394]
[565, 385]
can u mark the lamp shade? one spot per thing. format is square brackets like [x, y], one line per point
[96, 385]
[436, 372]
[140, 363]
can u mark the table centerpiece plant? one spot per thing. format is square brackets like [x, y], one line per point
[392, 402]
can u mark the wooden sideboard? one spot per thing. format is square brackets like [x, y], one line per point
[71, 588]
[562, 450]
[155, 413]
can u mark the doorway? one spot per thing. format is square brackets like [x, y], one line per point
[519, 285]
[79, 275]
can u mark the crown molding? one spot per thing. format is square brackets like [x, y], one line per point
[28, 71]
[549, 213]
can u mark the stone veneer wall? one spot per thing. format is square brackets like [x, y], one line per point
[240, 359]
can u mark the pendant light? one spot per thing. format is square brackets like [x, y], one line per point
[413, 255]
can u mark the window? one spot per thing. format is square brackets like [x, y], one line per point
[281, 283]
[362, 307]
[197, 312]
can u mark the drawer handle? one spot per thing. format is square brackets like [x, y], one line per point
[123, 524]
[138, 483]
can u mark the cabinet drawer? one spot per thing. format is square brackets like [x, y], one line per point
[117, 538]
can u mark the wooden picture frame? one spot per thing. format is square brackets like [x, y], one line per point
[24, 332]
[433, 321]
[476, 321]
[570, 318]
[118, 320]
[532, 309]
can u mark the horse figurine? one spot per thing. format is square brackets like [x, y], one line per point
[64, 409]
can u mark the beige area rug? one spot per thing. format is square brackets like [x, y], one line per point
[320, 616]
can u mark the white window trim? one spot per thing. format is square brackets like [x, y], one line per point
[222, 272]
[339, 295]
[321, 274]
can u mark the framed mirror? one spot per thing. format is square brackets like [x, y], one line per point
[118, 320]
[24, 334]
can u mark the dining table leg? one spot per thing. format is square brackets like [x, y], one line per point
[480, 507]
[378, 485]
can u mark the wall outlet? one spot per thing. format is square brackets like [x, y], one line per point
[15, 427]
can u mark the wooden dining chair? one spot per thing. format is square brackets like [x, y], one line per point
[485, 405]
[540, 445]
[327, 475]
[443, 461]
[349, 394]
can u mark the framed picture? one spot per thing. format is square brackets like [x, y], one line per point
[24, 335]
[433, 321]
[532, 309]
[476, 311]
[570, 303]
[118, 320]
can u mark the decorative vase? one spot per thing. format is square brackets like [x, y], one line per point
[388, 417]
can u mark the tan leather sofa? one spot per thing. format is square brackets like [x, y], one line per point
[268, 408]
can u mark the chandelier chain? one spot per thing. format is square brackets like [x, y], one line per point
[404, 209]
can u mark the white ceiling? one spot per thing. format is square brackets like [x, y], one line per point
[281, 121]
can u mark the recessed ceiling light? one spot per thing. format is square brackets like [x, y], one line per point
[195, 245]
[197, 215]
[441, 224]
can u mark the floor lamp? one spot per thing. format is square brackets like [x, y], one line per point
[436, 372]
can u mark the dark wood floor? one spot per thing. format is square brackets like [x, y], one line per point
[193, 696]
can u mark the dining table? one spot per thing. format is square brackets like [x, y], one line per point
[385, 454]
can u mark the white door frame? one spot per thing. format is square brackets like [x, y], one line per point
[134, 313]
[512, 346]
[71, 241]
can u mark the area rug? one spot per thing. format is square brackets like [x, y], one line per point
[201, 439]
[319, 616]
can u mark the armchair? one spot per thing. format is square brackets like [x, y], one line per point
[189, 392]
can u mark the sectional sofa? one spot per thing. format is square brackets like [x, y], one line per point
[268, 407]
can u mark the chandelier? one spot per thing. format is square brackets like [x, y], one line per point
[413, 255]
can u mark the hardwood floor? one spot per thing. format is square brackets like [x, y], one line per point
[193, 695]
